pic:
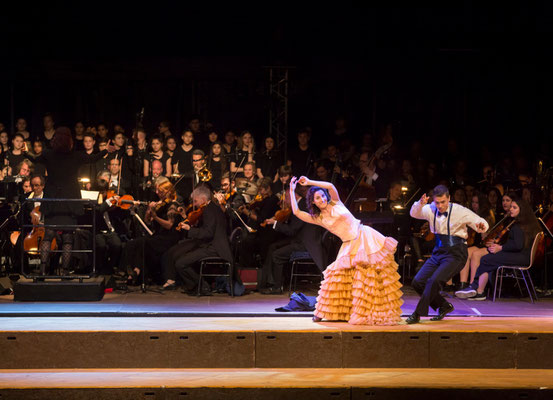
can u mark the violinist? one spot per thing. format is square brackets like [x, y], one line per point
[207, 239]
[299, 236]
[262, 208]
[476, 241]
[109, 226]
[515, 251]
[284, 175]
[163, 217]
[117, 181]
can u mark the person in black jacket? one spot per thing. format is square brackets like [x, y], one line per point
[300, 237]
[515, 251]
[207, 239]
[62, 164]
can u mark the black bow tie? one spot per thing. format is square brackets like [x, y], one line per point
[442, 213]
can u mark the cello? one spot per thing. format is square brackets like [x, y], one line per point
[31, 243]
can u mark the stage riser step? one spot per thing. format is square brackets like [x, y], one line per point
[275, 349]
[273, 394]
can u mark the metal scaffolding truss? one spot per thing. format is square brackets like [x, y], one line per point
[278, 105]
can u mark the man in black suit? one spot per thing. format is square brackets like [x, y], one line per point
[208, 239]
[300, 237]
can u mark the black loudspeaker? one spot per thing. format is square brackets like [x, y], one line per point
[73, 290]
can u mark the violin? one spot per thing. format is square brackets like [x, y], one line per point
[192, 217]
[500, 236]
[227, 197]
[281, 215]
[31, 243]
[425, 233]
[165, 201]
[497, 233]
[255, 203]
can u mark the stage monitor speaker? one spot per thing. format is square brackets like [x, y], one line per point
[58, 290]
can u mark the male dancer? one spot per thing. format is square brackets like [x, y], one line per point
[448, 221]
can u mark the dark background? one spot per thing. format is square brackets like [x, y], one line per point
[481, 73]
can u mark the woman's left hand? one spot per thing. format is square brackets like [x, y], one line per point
[293, 183]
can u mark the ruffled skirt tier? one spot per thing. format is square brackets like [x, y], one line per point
[362, 286]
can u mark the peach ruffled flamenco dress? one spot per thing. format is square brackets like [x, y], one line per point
[362, 286]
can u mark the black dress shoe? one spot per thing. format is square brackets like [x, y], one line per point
[271, 290]
[449, 288]
[413, 319]
[442, 312]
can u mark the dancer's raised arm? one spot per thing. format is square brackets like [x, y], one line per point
[334, 196]
[305, 217]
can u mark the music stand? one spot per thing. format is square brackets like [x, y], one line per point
[549, 235]
[143, 287]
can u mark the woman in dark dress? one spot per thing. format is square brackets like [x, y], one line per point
[268, 160]
[515, 251]
[217, 164]
[163, 216]
[62, 164]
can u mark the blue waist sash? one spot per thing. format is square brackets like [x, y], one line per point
[448, 240]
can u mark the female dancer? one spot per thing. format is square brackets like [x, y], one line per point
[362, 285]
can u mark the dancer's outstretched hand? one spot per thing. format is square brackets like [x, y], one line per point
[424, 199]
[303, 181]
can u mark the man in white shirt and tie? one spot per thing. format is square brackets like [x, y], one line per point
[448, 221]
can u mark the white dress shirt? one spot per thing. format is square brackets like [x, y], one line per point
[460, 218]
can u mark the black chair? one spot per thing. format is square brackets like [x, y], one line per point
[215, 266]
[302, 266]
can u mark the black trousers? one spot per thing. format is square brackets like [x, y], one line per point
[185, 260]
[438, 269]
[169, 258]
[108, 252]
[277, 256]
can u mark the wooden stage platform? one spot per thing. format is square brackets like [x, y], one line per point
[234, 358]
[172, 346]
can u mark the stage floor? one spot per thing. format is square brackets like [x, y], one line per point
[177, 304]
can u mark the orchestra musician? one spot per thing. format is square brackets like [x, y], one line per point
[207, 239]
[515, 251]
[109, 227]
[163, 216]
[300, 237]
[157, 153]
[263, 207]
[476, 241]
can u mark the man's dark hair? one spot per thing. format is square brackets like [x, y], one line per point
[440, 190]
[42, 179]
